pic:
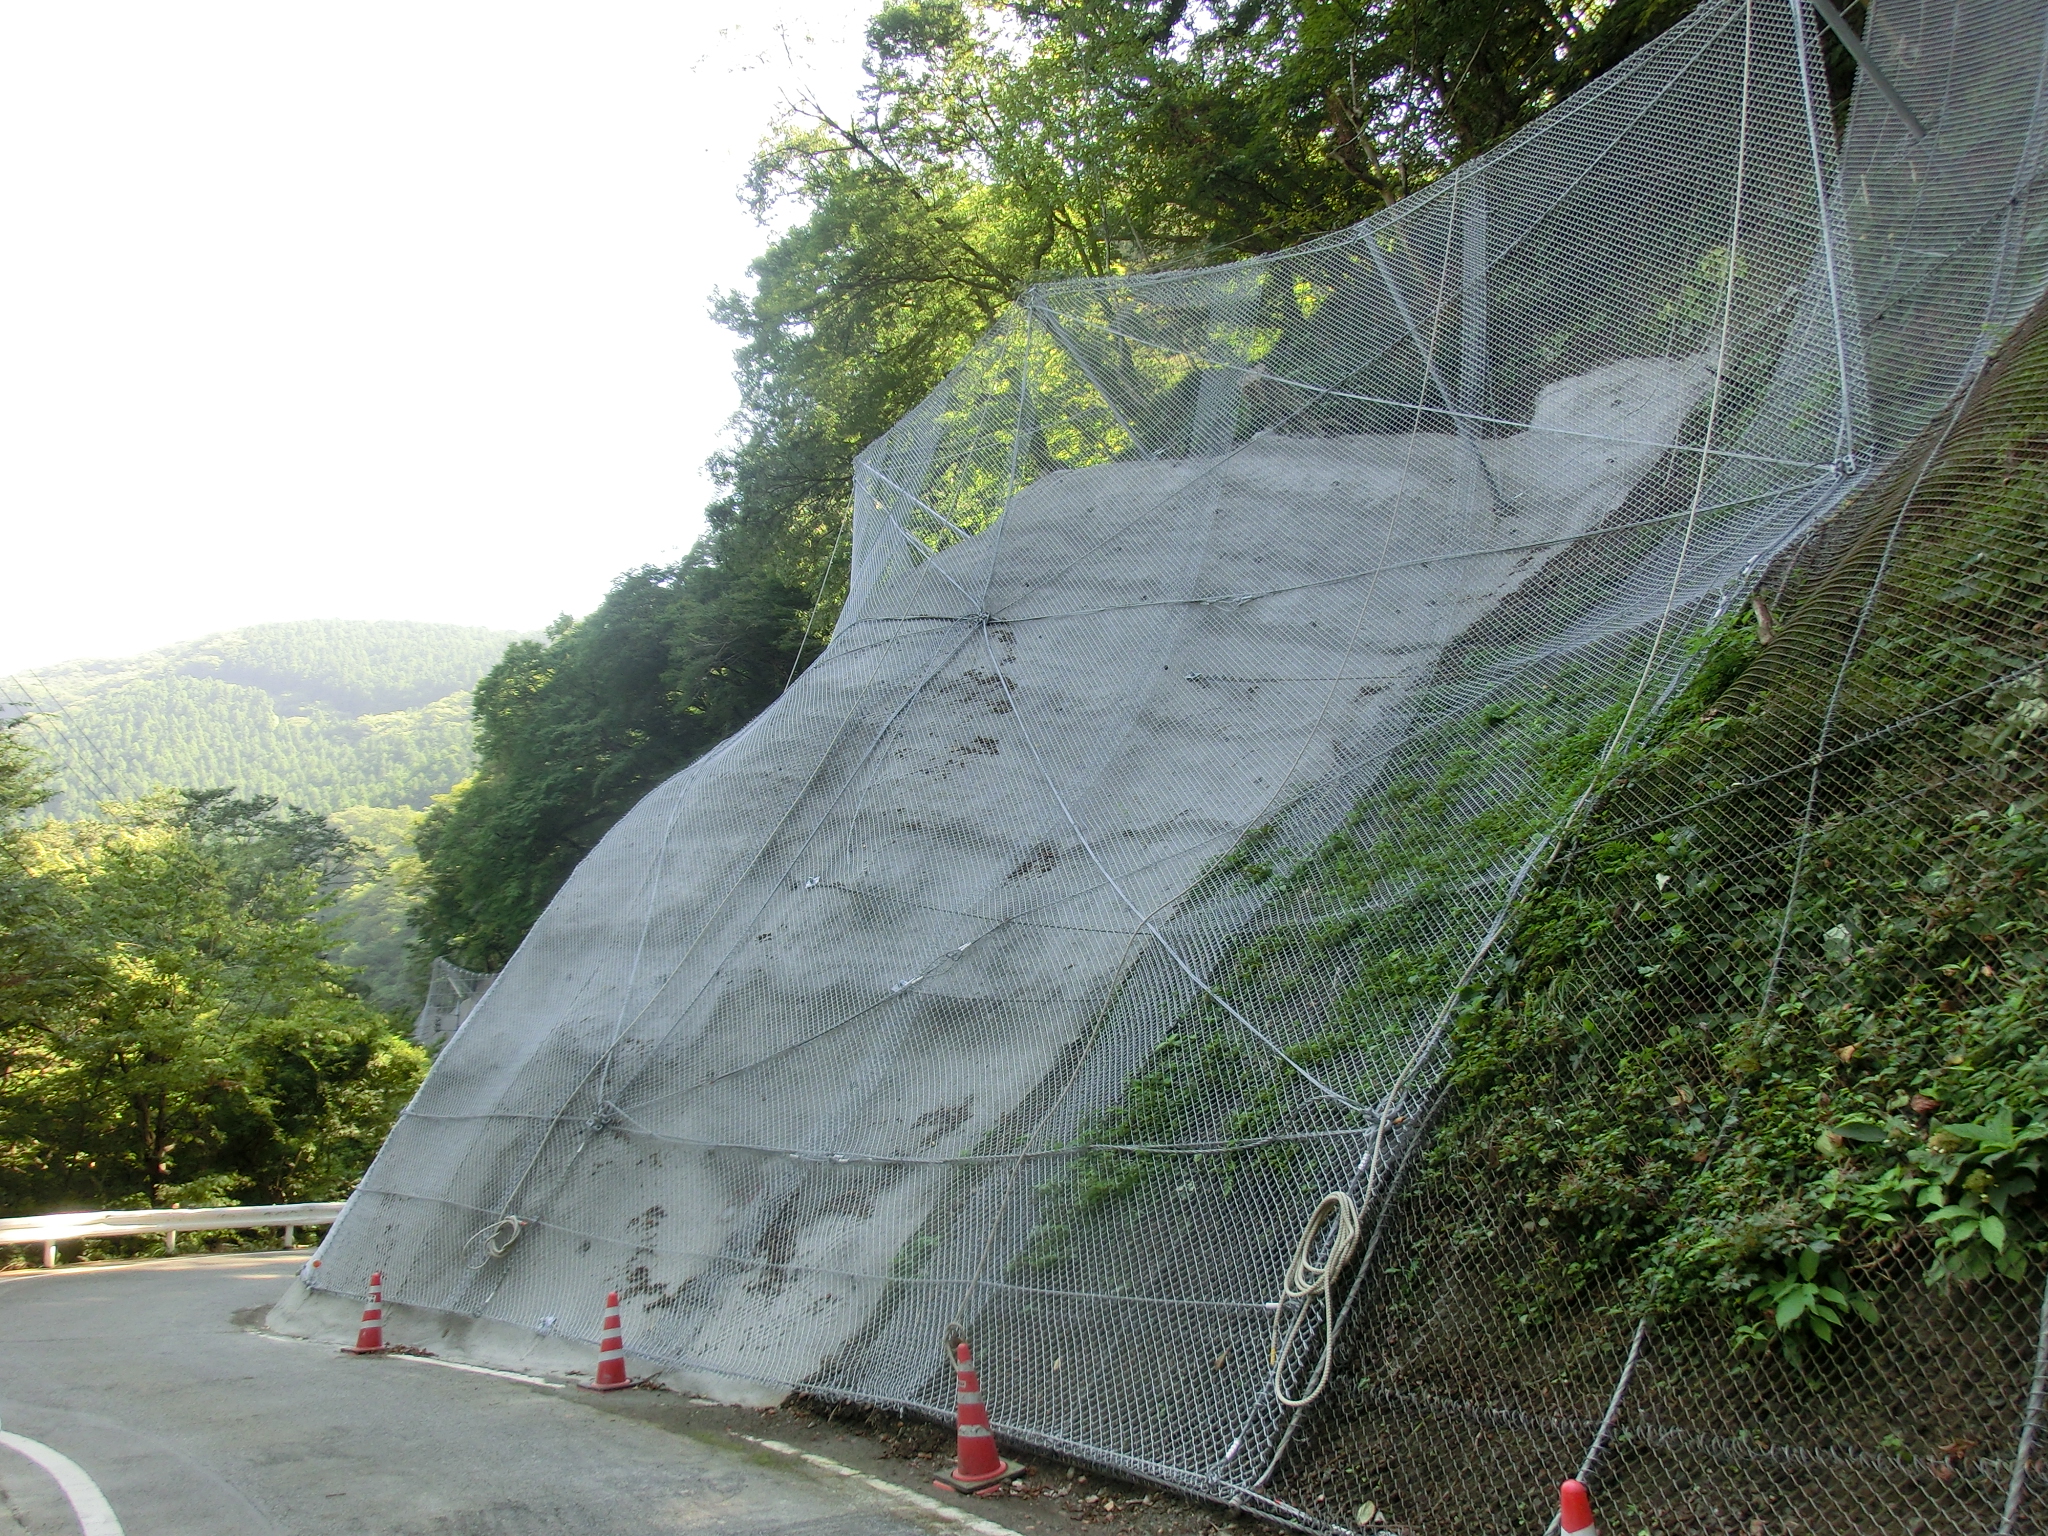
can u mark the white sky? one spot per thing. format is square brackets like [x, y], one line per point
[378, 310]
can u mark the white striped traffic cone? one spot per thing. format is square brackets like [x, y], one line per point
[611, 1352]
[370, 1337]
[979, 1465]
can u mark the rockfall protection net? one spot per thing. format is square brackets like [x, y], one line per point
[1234, 661]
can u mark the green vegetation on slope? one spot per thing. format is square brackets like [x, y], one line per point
[1775, 1028]
[366, 720]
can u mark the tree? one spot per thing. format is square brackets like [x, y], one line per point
[168, 1028]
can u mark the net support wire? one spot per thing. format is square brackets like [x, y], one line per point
[981, 620]
[1470, 417]
[1371, 1168]
[1306, 1277]
[1433, 384]
[1145, 919]
[1867, 65]
[2030, 1428]
[1845, 443]
[1371, 1174]
[1553, 839]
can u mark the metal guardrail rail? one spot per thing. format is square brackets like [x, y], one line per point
[63, 1226]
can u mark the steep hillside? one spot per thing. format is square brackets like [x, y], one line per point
[326, 714]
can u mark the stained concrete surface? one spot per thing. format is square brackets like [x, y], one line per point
[191, 1421]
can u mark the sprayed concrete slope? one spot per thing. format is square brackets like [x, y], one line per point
[864, 929]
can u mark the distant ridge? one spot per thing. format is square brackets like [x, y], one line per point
[324, 713]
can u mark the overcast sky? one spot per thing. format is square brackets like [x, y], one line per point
[369, 311]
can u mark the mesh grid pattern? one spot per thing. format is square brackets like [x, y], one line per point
[1205, 700]
[452, 991]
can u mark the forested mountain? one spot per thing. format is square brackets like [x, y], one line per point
[997, 144]
[366, 721]
[325, 714]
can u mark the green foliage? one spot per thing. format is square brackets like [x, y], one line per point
[1243, 127]
[325, 714]
[169, 1030]
[22, 782]
[370, 921]
[1740, 1148]
[1744, 1061]
[350, 717]
[1806, 1303]
[1974, 1175]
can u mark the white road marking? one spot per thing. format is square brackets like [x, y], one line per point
[95, 1514]
[480, 1370]
[918, 1501]
[446, 1365]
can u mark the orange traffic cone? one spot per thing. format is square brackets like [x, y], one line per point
[611, 1352]
[978, 1466]
[1575, 1510]
[370, 1337]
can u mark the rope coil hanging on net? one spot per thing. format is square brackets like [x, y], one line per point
[1308, 1280]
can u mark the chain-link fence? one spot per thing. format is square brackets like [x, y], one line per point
[1300, 728]
[452, 991]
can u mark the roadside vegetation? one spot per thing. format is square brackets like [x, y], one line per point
[170, 1031]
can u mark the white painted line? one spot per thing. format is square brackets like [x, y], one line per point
[901, 1495]
[446, 1365]
[95, 1514]
[480, 1370]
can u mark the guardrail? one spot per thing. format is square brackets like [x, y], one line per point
[66, 1225]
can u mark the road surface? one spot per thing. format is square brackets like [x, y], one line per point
[190, 1421]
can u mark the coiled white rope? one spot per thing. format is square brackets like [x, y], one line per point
[1306, 1280]
[496, 1240]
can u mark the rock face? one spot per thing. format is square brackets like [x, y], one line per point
[793, 1007]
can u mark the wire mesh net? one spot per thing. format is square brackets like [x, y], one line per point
[1240, 668]
[452, 992]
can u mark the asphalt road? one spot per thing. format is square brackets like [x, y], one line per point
[190, 1421]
